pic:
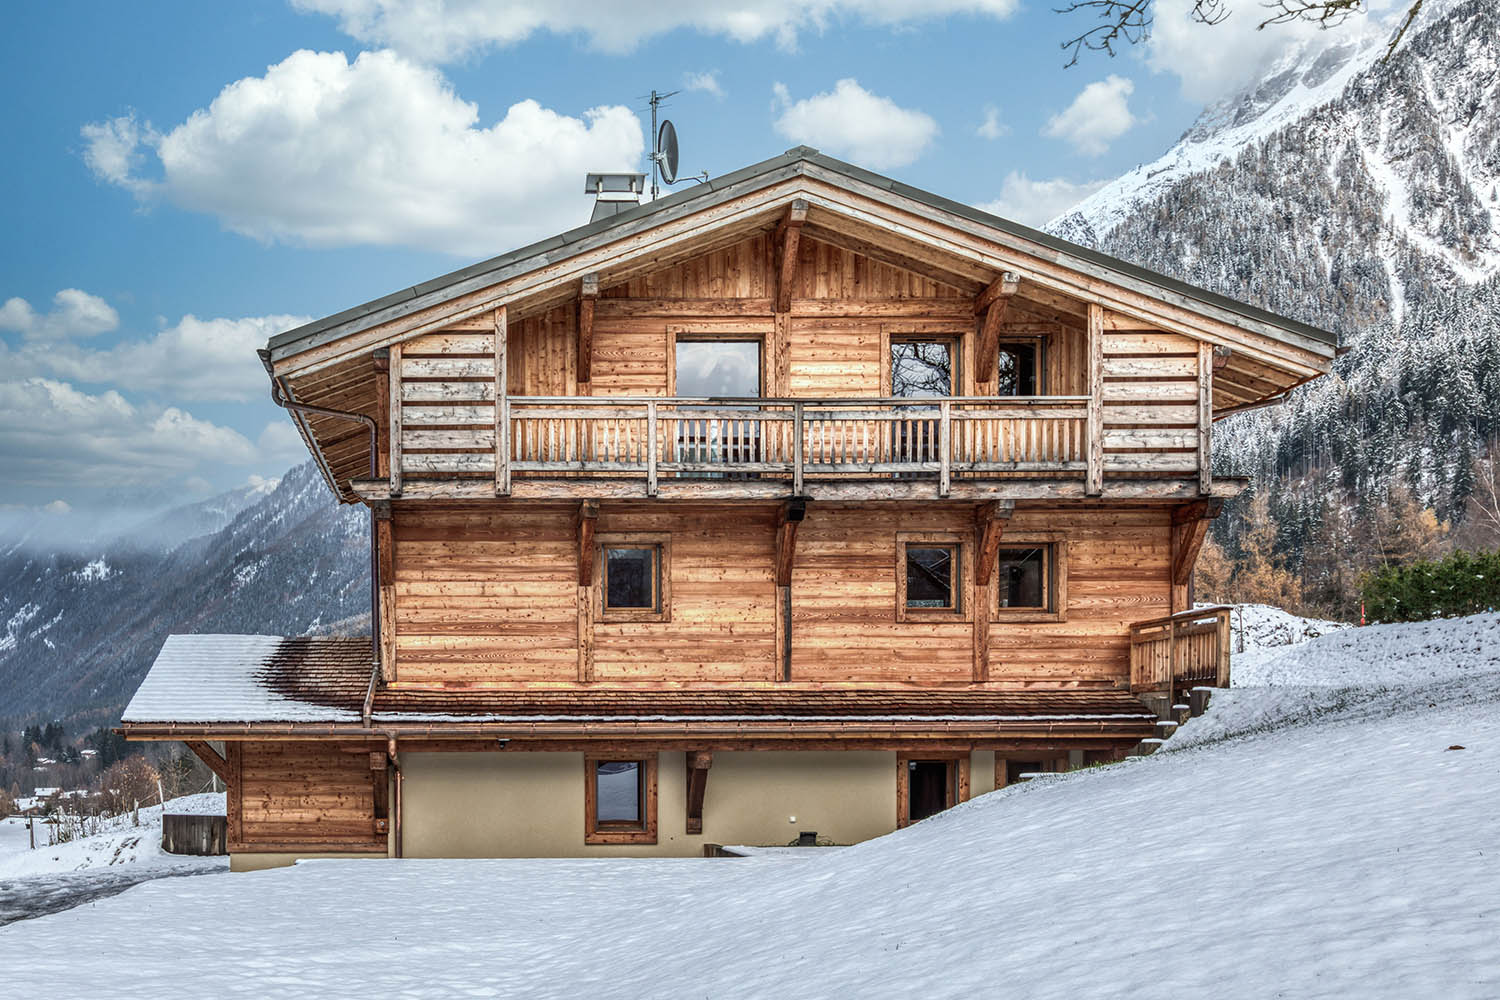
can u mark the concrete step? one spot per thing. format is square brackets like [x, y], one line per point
[1165, 728]
[1198, 699]
[1180, 713]
[1146, 747]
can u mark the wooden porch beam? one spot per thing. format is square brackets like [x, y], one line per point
[588, 513]
[990, 518]
[588, 293]
[792, 514]
[995, 301]
[210, 757]
[697, 784]
[788, 236]
[1189, 528]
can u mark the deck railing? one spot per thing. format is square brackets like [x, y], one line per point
[1182, 651]
[652, 437]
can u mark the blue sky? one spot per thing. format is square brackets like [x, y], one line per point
[187, 178]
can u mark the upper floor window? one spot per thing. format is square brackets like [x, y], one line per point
[1031, 579]
[1023, 577]
[718, 367]
[633, 583]
[924, 367]
[1020, 367]
[929, 576]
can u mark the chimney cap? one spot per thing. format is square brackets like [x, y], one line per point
[630, 185]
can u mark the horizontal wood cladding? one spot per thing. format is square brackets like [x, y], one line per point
[306, 794]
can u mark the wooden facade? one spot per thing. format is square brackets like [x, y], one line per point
[532, 426]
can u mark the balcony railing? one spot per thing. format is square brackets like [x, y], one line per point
[796, 439]
[1180, 652]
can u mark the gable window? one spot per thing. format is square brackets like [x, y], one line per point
[619, 799]
[1030, 580]
[633, 571]
[1020, 368]
[929, 576]
[712, 366]
[924, 368]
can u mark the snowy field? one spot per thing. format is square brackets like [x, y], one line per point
[1347, 849]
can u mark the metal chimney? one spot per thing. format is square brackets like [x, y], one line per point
[614, 192]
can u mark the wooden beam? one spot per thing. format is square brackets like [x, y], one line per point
[697, 784]
[588, 292]
[1205, 418]
[1094, 478]
[502, 402]
[218, 765]
[990, 519]
[393, 431]
[893, 258]
[385, 565]
[996, 301]
[588, 514]
[1189, 528]
[788, 236]
[792, 514]
[382, 409]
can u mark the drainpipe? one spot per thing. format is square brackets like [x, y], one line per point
[283, 398]
[390, 755]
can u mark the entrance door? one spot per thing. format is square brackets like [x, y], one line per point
[927, 793]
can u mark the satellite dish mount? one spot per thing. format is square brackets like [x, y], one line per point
[664, 149]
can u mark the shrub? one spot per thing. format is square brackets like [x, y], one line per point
[1461, 583]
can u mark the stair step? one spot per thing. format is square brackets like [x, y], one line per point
[1198, 700]
[1146, 747]
[1165, 728]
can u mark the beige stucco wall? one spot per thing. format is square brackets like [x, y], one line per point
[531, 804]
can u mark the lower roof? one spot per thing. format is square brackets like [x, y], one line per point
[241, 681]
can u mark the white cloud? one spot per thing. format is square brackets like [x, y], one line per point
[279, 444]
[851, 122]
[75, 313]
[992, 127]
[194, 359]
[1099, 115]
[1035, 203]
[54, 434]
[57, 507]
[1214, 61]
[382, 151]
[441, 30]
[707, 82]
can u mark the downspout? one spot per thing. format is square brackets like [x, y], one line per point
[391, 755]
[282, 398]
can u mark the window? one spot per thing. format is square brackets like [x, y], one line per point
[634, 578]
[1031, 579]
[717, 368]
[929, 577]
[927, 784]
[619, 799]
[1020, 368]
[923, 368]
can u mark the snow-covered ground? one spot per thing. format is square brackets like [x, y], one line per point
[1347, 851]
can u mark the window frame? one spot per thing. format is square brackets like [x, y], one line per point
[956, 335]
[962, 591]
[644, 832]
[1038, 343]
[740, 331]
[957, 783]
[1056, 585]
[662, 543]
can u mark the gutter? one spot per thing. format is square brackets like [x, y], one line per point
[281, 396]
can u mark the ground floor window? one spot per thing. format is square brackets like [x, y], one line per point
[619, 799]
[1030, 581]
[929, 577]
[928, 784]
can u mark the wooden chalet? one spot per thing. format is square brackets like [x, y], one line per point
[801, 501]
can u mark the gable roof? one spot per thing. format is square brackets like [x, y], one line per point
[801, 161]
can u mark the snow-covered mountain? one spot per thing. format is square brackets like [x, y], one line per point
[1340, 189]
[79, 628]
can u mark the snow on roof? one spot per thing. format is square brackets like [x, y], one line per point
[224, 678]
[43, 793]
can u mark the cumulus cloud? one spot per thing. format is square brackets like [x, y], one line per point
[54, 434]
[707, 82]
[851, 122]
[325, 152]
[74, 313]
[992, 127]
[1099, 115]
[442, 30]
[1037, 202]
[193, 359]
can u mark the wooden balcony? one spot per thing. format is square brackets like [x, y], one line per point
[653, 446]
[1180, 652]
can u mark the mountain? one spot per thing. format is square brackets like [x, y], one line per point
[79, 629]
[1341, 189]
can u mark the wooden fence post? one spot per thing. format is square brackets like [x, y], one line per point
[797, 449]
[651, 448]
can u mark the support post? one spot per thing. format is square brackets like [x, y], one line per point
[395, 418]
[697, 786]
[210, 757]
[990, 520]
[797, 431]
[788, 239]
[945, 438]
[385, 562]
[792, 514]
[588, 292]
[382, 359]
[1205, 418]
[651, 448]
[990, 308]
[502, 403]
[1094, 483]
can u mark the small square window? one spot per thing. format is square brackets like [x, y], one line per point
[619, 800]
[1023, 577]
[632, 578]
[930, 574]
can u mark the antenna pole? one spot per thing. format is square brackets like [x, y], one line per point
[655, 152]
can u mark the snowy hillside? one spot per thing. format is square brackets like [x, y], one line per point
[1339, 189]
[79, 629]
[1343, 851]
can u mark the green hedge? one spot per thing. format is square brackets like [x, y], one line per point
[1463, 583]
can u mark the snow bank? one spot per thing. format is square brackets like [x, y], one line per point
[122, 842]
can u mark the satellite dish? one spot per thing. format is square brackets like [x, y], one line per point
[666, 151]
